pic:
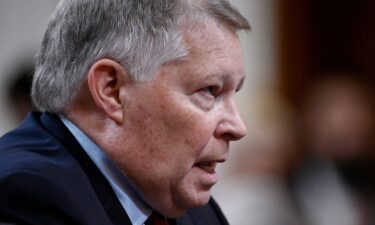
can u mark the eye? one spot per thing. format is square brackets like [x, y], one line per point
[209, 90]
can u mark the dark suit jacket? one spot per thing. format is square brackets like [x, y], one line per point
[46, 178]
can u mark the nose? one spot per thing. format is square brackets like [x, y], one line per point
[231, 127]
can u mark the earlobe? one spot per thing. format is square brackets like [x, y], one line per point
[106, 79]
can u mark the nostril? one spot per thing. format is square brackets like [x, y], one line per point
[230, 131]
[228, 137]
[235, 135]
[232, 137]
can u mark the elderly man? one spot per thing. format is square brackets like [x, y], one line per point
[137, 101]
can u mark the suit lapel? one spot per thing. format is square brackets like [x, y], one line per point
[99, 183]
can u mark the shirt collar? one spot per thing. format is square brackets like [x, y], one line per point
[135, 207]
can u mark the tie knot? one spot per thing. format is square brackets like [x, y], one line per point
[156, 219]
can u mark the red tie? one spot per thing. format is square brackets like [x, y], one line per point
[156, 219]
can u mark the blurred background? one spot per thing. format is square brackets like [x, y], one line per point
[308, 103]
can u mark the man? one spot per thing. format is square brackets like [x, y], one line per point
[138, 101]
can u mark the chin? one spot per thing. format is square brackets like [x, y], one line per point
[202, 200]
[196, 200]
[181, 204]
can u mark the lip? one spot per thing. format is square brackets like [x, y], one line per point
[205, 167]
[206, 172]
[208, 167]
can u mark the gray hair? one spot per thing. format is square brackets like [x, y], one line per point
[141, 35]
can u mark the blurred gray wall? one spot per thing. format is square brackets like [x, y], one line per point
[22, 23]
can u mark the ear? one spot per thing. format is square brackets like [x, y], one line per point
[106, 79]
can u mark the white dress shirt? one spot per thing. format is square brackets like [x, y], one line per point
[137, 210]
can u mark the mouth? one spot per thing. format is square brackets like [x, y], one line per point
[209, 167]
[205, 169]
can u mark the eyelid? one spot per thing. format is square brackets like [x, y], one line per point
[211, 90]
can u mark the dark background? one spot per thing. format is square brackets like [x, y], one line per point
[319, 36]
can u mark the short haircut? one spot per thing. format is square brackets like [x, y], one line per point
[141, 35]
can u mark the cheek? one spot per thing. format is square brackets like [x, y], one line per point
[163, 137]
[188, 128]
[168, 130]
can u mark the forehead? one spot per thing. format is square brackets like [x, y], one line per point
[209, 36]
[213, 48]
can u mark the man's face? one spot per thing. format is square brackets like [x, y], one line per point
[178, 126]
